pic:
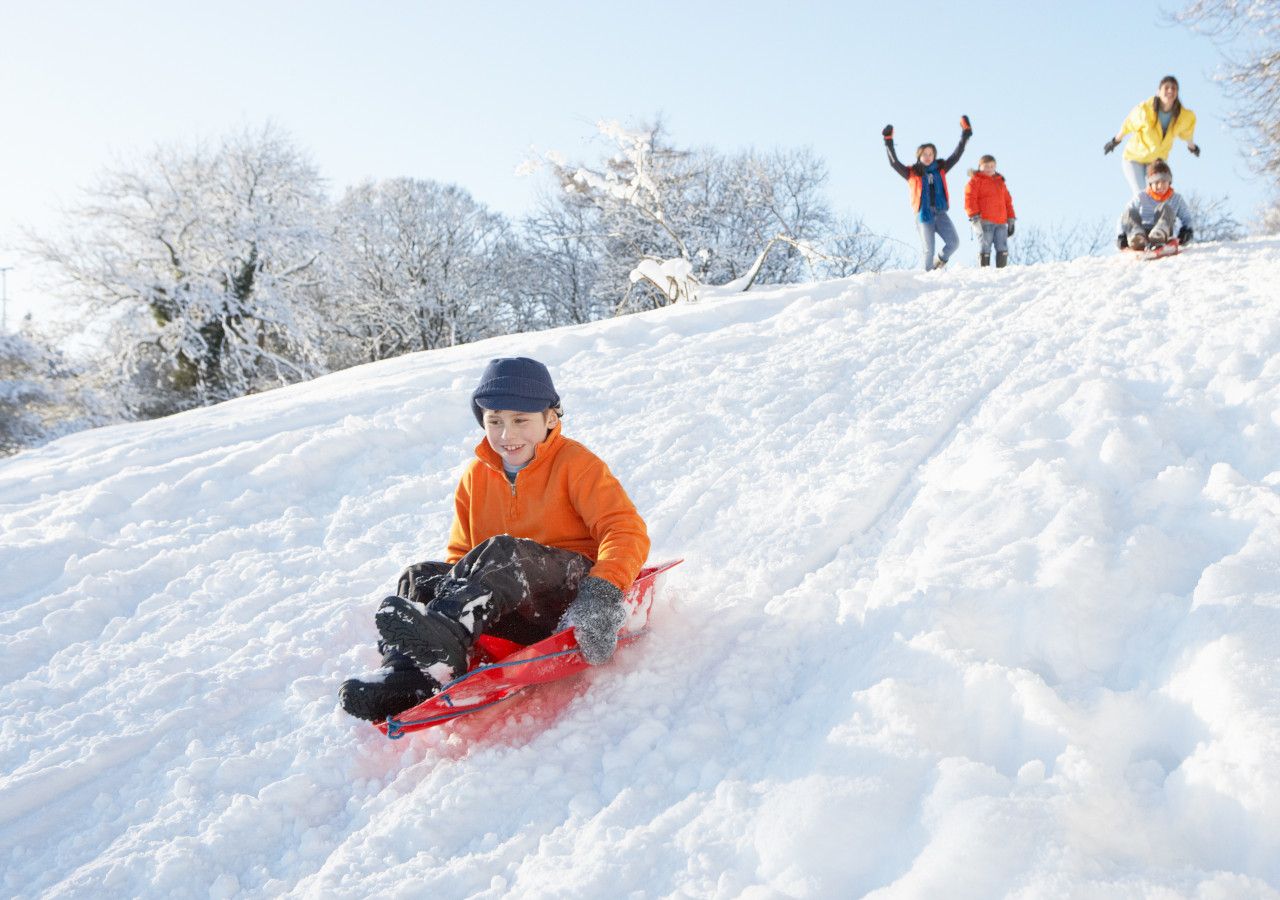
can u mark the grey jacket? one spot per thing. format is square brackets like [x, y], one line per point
[1147, 208]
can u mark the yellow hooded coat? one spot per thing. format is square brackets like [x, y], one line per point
[1148, 143]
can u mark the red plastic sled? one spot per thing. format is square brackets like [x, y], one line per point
[500, 669]
[1170, 248]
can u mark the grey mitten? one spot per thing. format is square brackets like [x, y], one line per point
[595, 616]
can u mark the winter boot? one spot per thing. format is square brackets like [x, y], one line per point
[384, 692]
[1002, 258]
[437, 644]
[939, 263]
[1158, 236]
[984, 259]
[1137, 241]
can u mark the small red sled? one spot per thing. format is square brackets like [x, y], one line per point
[500, 669]
[1169, 248]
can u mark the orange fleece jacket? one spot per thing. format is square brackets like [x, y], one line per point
[565, 497]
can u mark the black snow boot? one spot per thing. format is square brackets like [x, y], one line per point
[437, 644]
[984, 259]
[397, 686]
[1002, 259]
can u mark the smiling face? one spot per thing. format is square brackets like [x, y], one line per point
[988, 167]
[927, 155]
[1167, 93]
[514, 435]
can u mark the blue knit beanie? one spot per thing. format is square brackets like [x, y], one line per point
[514, 382]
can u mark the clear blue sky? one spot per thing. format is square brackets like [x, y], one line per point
[461, 92]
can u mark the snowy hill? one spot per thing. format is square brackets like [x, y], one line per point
[982, 599]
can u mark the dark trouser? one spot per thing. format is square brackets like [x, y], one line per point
[509, 587]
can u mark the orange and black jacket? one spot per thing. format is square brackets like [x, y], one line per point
[565, 497]
[915, 173]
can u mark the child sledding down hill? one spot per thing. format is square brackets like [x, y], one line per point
[1152, 215]
[927, 178]
[544, 538]
[990, 210]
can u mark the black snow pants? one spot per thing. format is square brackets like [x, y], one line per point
[509, 587]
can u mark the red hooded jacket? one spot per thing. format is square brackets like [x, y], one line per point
[988, 196]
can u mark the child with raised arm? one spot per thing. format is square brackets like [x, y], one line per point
[544, 538]
[927, 179]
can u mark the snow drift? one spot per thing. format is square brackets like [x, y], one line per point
[981, 598]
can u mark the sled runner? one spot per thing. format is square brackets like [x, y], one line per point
[501, 668]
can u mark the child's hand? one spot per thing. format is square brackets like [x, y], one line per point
[965, 128]
[1194, 148]
[595, 615]
[1109, 146]
[887, 131]
[1010, 232]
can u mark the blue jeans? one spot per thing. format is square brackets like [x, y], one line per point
[1136, 174]
[989, 233]
[942, 227]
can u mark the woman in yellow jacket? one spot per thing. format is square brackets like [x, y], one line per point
[1154, 124]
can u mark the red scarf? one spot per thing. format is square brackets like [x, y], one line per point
[1160, 198]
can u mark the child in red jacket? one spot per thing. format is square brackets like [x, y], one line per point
[990, 210]
[544, 538]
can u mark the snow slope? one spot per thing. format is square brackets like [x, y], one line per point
[982, 598]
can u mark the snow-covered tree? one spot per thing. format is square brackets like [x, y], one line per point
[1248, 33]
[199, 267]
[1061, 241]
[40, 395]
[416, 265]
[851, 248]
[1213, 219]
[563, 281]
[650, 205]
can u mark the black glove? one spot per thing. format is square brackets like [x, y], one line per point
[595, 616]
[965, 128]
[1109, 146]
[1122, 242]
[887, 131]
[1184, 234]
[1010, 234]
[1194, 148]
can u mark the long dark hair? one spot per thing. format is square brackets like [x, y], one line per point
[1177, 101]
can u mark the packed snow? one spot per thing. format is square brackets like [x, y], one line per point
[981, 598]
